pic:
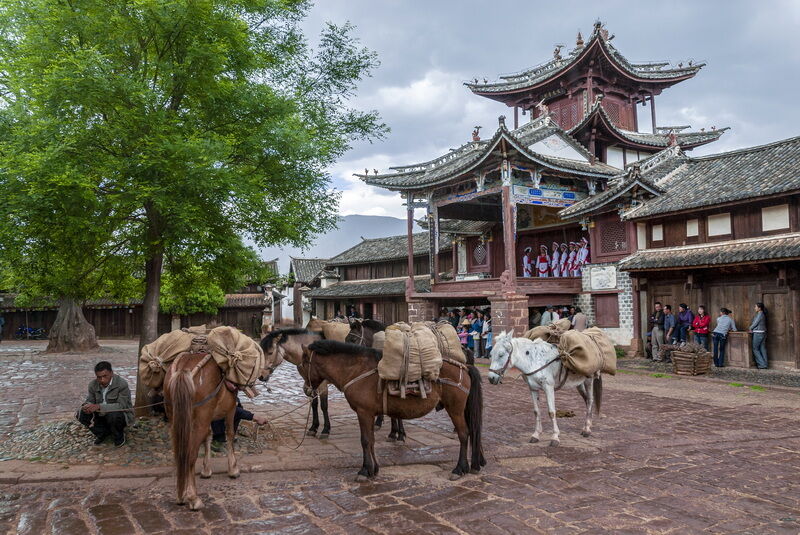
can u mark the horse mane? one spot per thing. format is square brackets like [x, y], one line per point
[268, 341]
[331, 347]
[375, 325]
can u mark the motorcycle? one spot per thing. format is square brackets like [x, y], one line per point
[30, 333]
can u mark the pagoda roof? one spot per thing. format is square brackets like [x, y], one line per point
[470, 155]
[460, 227]
[387, 248]
[655, 73]
[598, 116]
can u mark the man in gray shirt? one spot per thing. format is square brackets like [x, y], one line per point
[108, 408]
[725, 324]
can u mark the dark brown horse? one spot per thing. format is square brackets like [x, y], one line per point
[353, 370]
[195, 394]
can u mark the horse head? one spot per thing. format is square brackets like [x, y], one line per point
[502, 349]
[272, 360]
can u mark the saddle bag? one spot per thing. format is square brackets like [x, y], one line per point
[420, 389]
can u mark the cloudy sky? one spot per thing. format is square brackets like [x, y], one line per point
[429, 48]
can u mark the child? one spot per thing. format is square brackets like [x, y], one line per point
[462, 336]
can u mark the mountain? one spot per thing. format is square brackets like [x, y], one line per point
[349, 233]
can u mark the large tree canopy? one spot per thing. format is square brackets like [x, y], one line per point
[192, 123]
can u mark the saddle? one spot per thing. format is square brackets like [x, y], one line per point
[419, 389]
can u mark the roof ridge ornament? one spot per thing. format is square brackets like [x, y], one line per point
[501, 121]
[579, 40]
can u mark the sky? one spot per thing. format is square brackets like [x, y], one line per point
[427, 49]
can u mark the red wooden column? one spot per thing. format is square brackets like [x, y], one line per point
[509, 234]
[410, 231]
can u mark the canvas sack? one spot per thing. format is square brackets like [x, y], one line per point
[606, 349]
[410, 353]
[550, 333]
[156, 356]
[335, 330]
[239, 356]
[447, 338]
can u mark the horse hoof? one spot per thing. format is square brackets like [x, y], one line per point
[554, 443]
[196, 504]
[203, 475]
[234, 475]
[474, 470]
[361, 479]
[533, 440]
[391, 439]
[311, 433]
[402, 439]
[455, 477]
[323, 436]
[180, 502]
[585, 434]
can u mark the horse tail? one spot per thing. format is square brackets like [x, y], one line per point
[473, 414]
[183, 391]
[597, 386]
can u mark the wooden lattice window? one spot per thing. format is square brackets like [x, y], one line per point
[612, 109]
[613, 237]
[479, 254]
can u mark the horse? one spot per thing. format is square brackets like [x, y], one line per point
[353, 370]
[195, 394]
[288, 344]
[541, 366]
[362, 333]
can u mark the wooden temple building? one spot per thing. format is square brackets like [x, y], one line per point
[638, 219]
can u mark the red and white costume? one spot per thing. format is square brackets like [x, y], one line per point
[571, 259]
[527, 267]
[582, 256]
[563, 269]
[543, 262]
[555, 265]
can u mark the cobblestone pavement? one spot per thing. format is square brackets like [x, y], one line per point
[669, 456]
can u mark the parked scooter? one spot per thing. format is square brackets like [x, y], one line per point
[30, 333]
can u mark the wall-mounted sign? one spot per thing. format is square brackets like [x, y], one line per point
[546, 195]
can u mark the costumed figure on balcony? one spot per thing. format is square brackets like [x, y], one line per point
[583, 255]
[555, 266]
[572, 258]
[543, 262]
[563, 268]
[527, 265]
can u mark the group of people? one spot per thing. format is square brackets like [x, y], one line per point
[670, 328]
[474, 328]
[562, 261]
[576, 317]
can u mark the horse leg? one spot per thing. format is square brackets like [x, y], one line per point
[233, 467]
[401, 431]
[206, 472]
[537, 429]
[366, 422]
[379, 421]
[190, 496]
[460, 423]
[312, 431]
[323, 404]
[550, 392]
[589, 398]
[394, 431]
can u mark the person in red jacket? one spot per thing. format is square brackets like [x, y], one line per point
[700, 326]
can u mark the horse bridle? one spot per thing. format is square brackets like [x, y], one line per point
[502, 371]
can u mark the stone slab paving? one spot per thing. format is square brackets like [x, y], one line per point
[669, 456]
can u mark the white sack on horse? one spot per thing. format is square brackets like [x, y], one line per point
[588, 352]
[447, 338]
[335, 330]
[410, 354]
[550, 333]
[238, 355]
[157, 355]
[379, 340]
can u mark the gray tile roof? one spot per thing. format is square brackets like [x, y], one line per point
[739, 175]
[378, 287]
[306, 269]
[658, 140]
[466, 157]
[782, 247]
[655, 72]
[389, 248]
[460, 226]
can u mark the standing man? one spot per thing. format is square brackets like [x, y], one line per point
[580, 321]
[669, 325]
[725, 324]
[549, 316]
[685, 320]
[108, 408]
[657, 334]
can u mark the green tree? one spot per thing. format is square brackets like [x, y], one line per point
[201, 122]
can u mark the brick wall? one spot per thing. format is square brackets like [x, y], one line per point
[422, 310]
[623, 334]
[510, 313]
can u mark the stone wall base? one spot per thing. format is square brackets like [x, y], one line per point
[509, 312]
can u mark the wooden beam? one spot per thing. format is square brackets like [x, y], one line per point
[410, 233]
[509, 234]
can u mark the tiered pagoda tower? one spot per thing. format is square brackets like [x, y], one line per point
[592, 93]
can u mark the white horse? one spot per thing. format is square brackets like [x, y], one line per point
[541, 366]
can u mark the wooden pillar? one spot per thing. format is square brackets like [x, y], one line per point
[410, 232]
[794, 327]
[433, 229]
[509, 233]
[516, 117]
[455, 258]
[653, 111]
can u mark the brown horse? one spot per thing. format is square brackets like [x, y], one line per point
[353, 370]
[195, 394]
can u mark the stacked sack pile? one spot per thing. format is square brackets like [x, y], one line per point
[582, 352]
[239, 357]
[414, 353]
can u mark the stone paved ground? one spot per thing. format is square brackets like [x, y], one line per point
[670, 456]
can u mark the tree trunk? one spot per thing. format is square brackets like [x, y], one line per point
[150, 307]
[71, 331]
